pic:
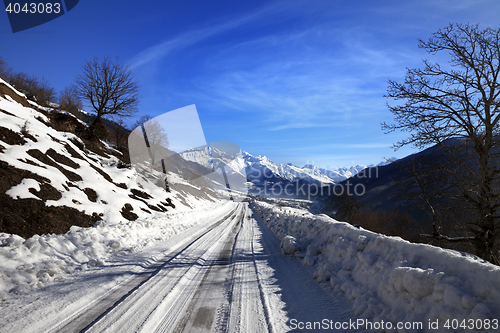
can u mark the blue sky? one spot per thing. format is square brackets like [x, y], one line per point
[297, 81]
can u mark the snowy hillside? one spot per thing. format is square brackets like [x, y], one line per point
[61, 170]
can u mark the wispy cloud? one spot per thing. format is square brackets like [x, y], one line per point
[322, 75]
[318, 76]
[341, 146]
[304, 125]
[162, 49]
[297, 86]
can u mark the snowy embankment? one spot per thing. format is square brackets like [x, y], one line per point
[34, 262]
[387, 278]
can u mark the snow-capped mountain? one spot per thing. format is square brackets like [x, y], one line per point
[308, 172]
[340, 174]
[209, 156]
[260, 169]
[263, 166]
[200, 155]
[337, 175]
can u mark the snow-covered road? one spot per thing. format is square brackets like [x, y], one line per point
[223, 275]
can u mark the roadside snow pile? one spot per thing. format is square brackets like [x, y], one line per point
[289, 245]
[388, 278]
[34, 262]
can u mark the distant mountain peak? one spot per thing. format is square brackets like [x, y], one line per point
[261, 170]
[308, 172]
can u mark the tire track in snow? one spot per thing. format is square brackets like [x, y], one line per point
[83, 319]
[203, 314]
[166, 297]
[250, 310]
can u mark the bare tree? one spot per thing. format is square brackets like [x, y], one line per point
[70, 101]
[457, 107]
[140, 122]
[154, 134]
[5, 70]
[109, 87]
[119, 133]
[347, 207]
[426, 186]
[156, 140]
[35, 89]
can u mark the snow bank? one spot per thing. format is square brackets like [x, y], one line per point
[34, 262]
[388, 278]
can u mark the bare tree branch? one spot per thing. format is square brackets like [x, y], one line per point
[109, 87]
[459, 102]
